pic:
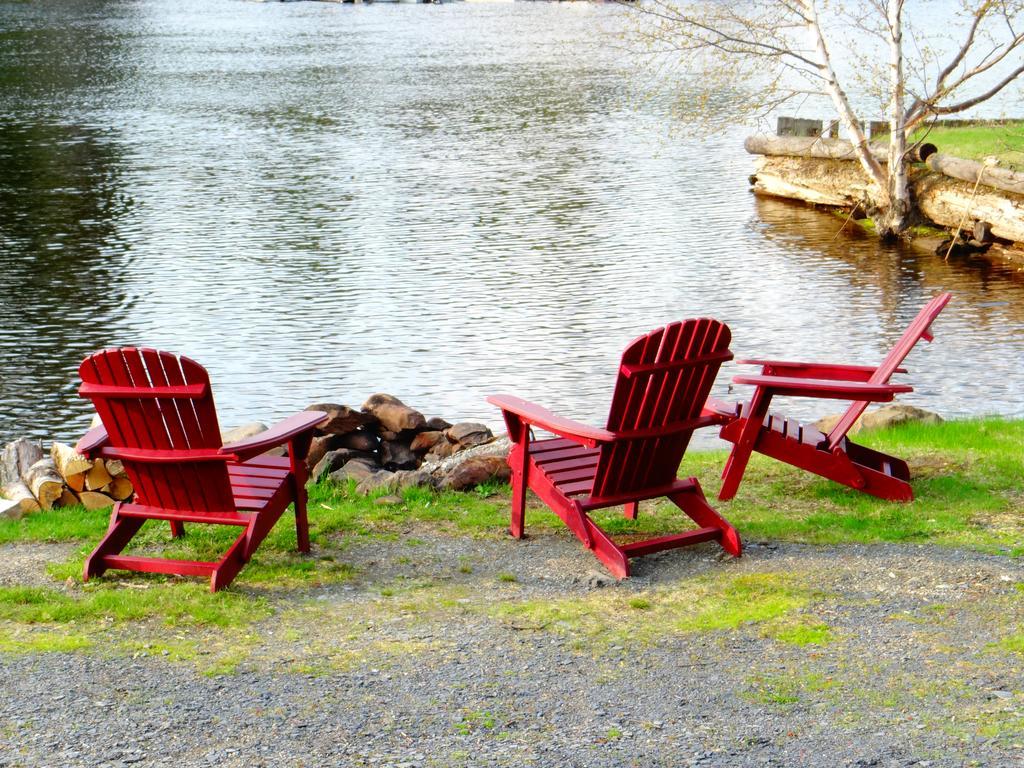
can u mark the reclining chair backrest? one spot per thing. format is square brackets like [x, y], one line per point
[919, 329]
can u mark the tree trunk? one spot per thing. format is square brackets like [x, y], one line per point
[892, 219]
[842, 104]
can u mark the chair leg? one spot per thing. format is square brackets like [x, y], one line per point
[519, 462]
[736, 464]
[177, 529]
[301, 520]
[120, 532]
[300, 498]
[696, 507]
[229, 565]
[630, 510]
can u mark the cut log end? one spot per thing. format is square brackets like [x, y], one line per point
[44, 482]
[68, 461]
[97, 477]
[95, 500]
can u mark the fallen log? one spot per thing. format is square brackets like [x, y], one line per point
[837, 183]
[825, 149]
[949, 202]
[44, 482]
[972, 170]
[946, 201]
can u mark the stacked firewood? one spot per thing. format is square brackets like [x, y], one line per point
[30, 481]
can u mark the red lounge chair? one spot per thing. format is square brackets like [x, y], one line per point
[663, 381]
[753, 428]
[159, 419]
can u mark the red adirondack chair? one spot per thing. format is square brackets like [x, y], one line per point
[663, 381]
[834, 456]
[158, 418]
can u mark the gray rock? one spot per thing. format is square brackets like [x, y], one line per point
[425, 441]
[320, 446]
[895, 414]
[443, 466]
[341, 419]
[335, 460]
[360, 440]
[357, 469]
[474, 471]
[469, 433]
[437, 424]
[228, 436]
[394, 481]
[381, 479]
[882, 418]
[396, 455]
[414, 478]
[442, 450]
[394, 415]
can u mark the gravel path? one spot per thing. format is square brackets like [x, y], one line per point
[414, 663]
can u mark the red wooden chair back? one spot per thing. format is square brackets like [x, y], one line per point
[919, 329]
[158, 401]
[664, 379]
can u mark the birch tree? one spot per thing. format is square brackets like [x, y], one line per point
[755, 57]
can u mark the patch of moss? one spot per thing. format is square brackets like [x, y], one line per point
[705, 604]
[786, 689]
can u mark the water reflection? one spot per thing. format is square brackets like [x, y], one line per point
[322, 201]
[63, 264]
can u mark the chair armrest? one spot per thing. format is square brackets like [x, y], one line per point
[92, 441]
[834, 390]
[668, 430]
[280, 433]
[829, 371]
[164, 455]
[545, 419]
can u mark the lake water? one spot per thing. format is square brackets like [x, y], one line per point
[322, 201]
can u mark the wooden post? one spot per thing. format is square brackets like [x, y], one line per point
[796, 126]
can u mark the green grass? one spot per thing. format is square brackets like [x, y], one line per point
[601, 620]
[181, 604]
[783, 690]
[976, 142]
[967, 480]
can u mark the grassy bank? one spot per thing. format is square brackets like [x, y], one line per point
[1004, 141]
[968, 482]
